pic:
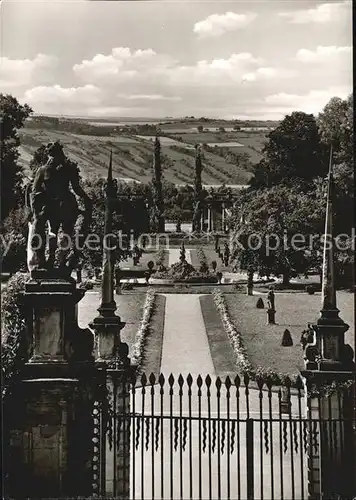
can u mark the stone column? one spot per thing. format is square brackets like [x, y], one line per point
[331, 450]
[210, 219]
[45, 458]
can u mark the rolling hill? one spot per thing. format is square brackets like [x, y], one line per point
[132, 154]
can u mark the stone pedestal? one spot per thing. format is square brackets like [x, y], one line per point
[48, 415]
[48, 440]
[271, 314]
[117, 477]
[52, 328]
[331, 450]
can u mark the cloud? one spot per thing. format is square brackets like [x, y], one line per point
[268, 73]
[146, 67]
[311, 102]
[62, 100]
[151, 97]
[323, 13]
[218, 24]
[15, 73]
[323, 54]
[122, 64]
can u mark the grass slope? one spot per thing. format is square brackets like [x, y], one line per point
[220, 347]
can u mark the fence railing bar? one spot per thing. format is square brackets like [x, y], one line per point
[218, 386]
[260, 396]
[291, 444]
[171, 382]
[199, 384]
[250, 459]
[152, 381]
[161, 382]
[271, 440]
[228, 385]
[143, 393]
[301, 443]
[133, 462]
[237, 385]
[280, 443]
[208, 383]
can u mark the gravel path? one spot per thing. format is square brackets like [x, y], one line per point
[185, 344]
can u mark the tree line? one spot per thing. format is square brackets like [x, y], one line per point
[287, 196]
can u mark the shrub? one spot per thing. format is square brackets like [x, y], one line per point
[86, 285]
[14, 330]
[160, 258]
[150, 265]
[15, 258]
[310, 289]
[126, 286]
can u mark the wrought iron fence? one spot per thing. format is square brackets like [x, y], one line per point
[185, 438]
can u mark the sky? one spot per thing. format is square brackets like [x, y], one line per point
[232, 60]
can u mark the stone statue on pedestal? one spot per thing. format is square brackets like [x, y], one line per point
[270, 298]
[52, 205]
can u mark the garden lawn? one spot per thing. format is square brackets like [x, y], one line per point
[129, 308]
[293, 311]
[219, 343]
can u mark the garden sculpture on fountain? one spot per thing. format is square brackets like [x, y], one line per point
[51, 203]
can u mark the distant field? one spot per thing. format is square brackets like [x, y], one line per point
[132, 156]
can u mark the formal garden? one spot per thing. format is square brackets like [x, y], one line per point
[218, 267]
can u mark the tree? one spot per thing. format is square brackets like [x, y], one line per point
[198, 188]
[157, 219]
[293, 153]
[200, 128]
[266, 222]
[12, 118]
[335, 124]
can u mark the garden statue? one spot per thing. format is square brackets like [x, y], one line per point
[226, 254]
[52, 204]
[216, 242]
[271, 312]
[270, 298]
[117, 279]
[136, 254]
[182, 252]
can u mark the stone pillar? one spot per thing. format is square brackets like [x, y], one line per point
[49, 446]
[249, 286]
[210, 219]
[271, 314]
[117, 479]
[331, 447]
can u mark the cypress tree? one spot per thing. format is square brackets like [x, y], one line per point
[157, 218]
[198, 190]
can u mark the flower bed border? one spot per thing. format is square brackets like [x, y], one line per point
[143, 331]
[242, 361]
